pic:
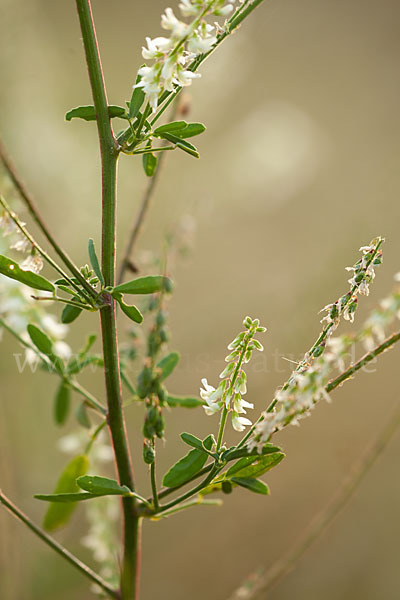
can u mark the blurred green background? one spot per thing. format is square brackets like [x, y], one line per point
[299, 167]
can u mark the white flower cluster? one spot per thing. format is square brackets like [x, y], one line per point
[308, 385]
[363, 275]
[233, 385]
[186, 41]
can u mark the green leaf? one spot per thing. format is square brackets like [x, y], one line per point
[42, 342]
[254, 485]
[182, 144]
[184, 401]
[234, 453]
[131, 311]
[11, 269]
[136, 102]
[251, 466]
[145, 285]
[63, 498]
[88, 113]
[102, 486]
[149, 164]
[187, 466]
[70, 313]
[58, 515]
[94, 261]
[77, 364]
[62, 403]
[168, 364]
[192, 440]
[82, 416]
[191, 130]
[174, 126]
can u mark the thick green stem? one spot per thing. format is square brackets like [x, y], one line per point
[109, 155]
[73, 560]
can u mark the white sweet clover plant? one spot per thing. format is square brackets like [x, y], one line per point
[143, 362]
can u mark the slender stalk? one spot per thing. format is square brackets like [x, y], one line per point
[319, 525]
[167, 491]
[33, 210]
[388, 343]
[214, 471]
[225, 411]
[154, 486]
[109, 154]
[200, 502]
[73, 560]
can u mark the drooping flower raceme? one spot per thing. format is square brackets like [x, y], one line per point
[230, 391]
[172, 56]
[307, 384]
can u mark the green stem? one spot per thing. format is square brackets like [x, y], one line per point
[154, 485]
[143, 211]
[116, 421]
[225, 411]
[33, 210]
[214, 471]
[200, 502]
[73, 560]
[395, 337]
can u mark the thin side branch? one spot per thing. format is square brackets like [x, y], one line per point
[66, 554]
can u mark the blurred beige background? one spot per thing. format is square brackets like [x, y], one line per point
[299, 167]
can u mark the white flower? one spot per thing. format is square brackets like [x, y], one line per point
[33, 262]
[188, 9]
[212, 396]
[156, 48]
[21, 245]
[169, 21]
[239, 423]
